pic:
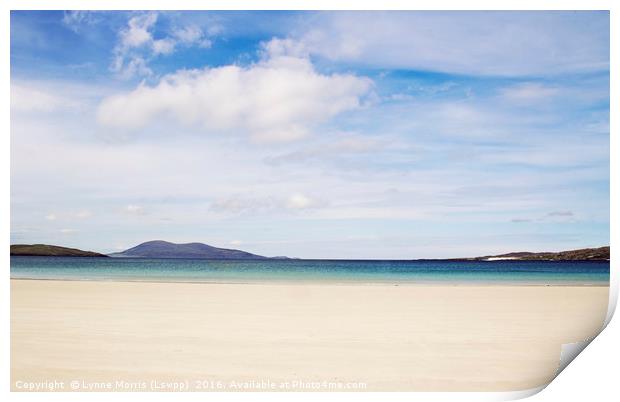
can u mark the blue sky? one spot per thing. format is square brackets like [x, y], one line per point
[311, 134]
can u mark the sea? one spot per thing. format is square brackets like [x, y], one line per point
[312, 271]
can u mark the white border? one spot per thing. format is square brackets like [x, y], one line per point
[576, 378]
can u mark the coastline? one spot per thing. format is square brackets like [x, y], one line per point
[330, 282]
[411, 337]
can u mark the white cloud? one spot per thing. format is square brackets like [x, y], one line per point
[193, 35]
[554, 216]
[284, 47]
[277, 99]
[50, 217]
[301, 201]
[496, 43]
[68, 231]
[214, 29]
[30, 99]
[529, 91]
[128, 60]
[266, 205]
[136, 65]
[137, 44]
[137, 32]
[236, 242]
[163, 46]
[189, 33]
[332, 148]
[244, 205]
[75, 20]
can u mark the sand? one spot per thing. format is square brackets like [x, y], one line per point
[235, 337]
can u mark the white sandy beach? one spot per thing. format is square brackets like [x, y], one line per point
[392, 338]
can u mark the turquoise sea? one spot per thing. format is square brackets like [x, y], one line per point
[330, 271]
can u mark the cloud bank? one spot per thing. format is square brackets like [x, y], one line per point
[279, 98]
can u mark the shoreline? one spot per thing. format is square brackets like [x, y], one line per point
[329, 282]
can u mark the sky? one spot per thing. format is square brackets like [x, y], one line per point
[370, 135]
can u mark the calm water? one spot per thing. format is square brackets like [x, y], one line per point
[337, 271]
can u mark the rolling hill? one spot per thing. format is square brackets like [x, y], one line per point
[164, 249]
[46, 250]
[584, 254]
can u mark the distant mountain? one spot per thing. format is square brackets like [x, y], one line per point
[164, 249]
[46, 250]
[584, 254]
